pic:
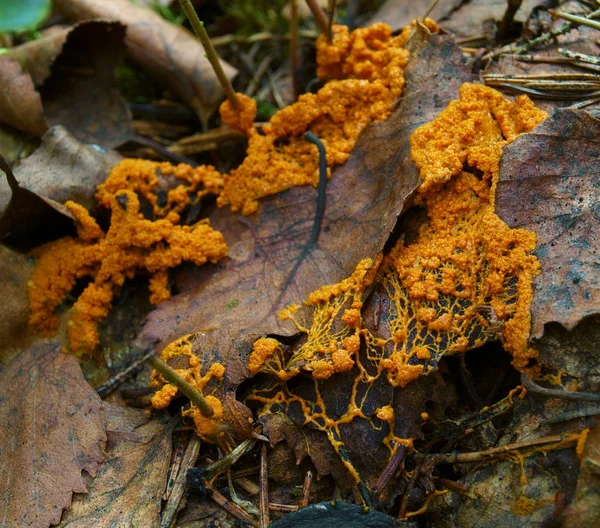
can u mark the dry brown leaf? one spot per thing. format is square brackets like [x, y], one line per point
[553, 171]
[172, 54]
[73, 71]
[267, 266]
[20, 103]
[128, 488]
[470, 19]
[62, 169]
[28, 219]
[399, 13]
[50, 430]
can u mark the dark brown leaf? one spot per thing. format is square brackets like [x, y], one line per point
[73, 71]
[267, 268]
[549, 184]
[128, 488]
[50, 430]
[29, 219]
[172, 54]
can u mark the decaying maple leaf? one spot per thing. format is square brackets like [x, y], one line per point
[50, 430]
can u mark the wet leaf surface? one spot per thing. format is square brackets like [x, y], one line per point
[172, 54]
[128, 487]
[50, 430]
[554, 172]
[71, 84]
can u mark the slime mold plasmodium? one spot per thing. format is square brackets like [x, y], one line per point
[441, 288]
[366, 68]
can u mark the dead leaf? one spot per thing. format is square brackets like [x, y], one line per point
[21, 104]
[50, 430]
[29, 219]
[238, 301]
[15, 270]
[172, 54]
[62, 169]
[470, 18]
[553, 171]
[74, 76]
[399, 13]
[128, 488]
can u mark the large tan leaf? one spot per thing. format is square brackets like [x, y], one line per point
[128, 488]
[50, 430]
[549, 183]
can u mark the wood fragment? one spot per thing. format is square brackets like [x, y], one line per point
[389, 470]
[560, 394]
[113, 384]
[229, 506]
[284, 508]
[264, 488]
[306, 490]
[180, 485]
[180, 443]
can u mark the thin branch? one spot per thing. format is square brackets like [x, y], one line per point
[294, 48]
[112, 384]
[557, 393]
[306, 490]
[319, 15]
[229, 506]
[264, 488]
[186, 388]
[211, 54]
[552, 442]
[580, 21]
[231, 458]
[332, 4]
[389, 470]
[188, 461]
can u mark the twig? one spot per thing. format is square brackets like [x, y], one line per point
[188, 461]
[580, 21]
[264, 488]
[556, 393]
[229, 506]
[409, 487]
[211, 54]
[258, 74]
[186, 388]
[259, 37]
[389, 470]
[231, 458]
[430, 9]
[180, 444]
[332, 4]
[294, 48]
[306, 490]
[112, 384]
[163, 151]
[319, 15]
[284, 508]
[560, 441]
[455, 486]
[244, 504]
[574, 415]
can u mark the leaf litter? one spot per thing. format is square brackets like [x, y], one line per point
[424, 406]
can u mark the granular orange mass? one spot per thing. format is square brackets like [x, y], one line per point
[131, 245]
[367, 71]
